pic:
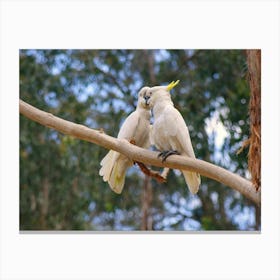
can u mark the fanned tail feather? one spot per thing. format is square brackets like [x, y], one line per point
[117, 177]
[107, 164]
[113, 170]
[193, 181]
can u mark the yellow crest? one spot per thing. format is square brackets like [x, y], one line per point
[172, 85]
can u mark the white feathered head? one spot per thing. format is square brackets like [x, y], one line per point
[152, 95]
[142, 99]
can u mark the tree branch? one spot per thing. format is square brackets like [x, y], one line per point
[135, 153]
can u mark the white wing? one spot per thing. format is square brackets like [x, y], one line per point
[128, 128]
[178, 132]
[114, 164]
[180, 140]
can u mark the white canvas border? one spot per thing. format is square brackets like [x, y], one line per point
[124, 24]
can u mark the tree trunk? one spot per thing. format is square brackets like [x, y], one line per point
[254, 156]
[147, 195]
[257, 218]
[44, 203]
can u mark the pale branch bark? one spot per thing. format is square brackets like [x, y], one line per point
[136, 153]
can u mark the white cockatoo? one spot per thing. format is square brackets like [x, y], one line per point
[135, 129]
[170, 134]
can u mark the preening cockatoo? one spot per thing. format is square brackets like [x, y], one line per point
[136, 128]
[170, 134]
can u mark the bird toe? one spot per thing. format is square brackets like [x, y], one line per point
[165, 154]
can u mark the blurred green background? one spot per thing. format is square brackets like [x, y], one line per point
[60, 188]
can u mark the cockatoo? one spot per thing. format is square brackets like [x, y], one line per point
[170, 133]
[135, 129]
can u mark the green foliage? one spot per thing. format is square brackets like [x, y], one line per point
[60, 188]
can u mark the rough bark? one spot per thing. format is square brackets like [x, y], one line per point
[254, 156]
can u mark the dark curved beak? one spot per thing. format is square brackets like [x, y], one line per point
[146, 99]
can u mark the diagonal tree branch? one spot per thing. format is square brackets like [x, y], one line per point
[98, 137]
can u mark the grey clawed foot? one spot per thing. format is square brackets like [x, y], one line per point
[165, 154]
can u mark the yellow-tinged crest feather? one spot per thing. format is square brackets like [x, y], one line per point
[172, 85]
